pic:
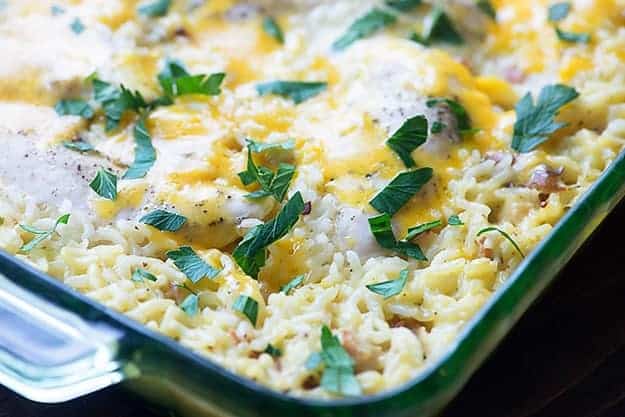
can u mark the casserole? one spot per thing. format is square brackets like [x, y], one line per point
[390, 332]
[178, 379]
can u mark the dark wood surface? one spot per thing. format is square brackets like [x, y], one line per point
[566, 358]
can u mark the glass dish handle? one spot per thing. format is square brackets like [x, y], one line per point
[49, 354]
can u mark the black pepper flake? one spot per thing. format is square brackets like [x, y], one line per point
[307, 208]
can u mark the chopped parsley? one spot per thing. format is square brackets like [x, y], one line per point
[74, 107]
[338, 372]
[258, 147]
[403, 5]
[191, 304]
[535, 122]
[40, 234]
[271, 28]
[77, 26]
[487, 8]
[439, 29]
[273, 351]
[460, 113]
[505, 235]
[382, 231]
[176, 81]
[145, 154]
[298, 91]
[291, 285]
[390, 288]
[105, 184]
[116, 101]
[248, 307]
[156, 8]
[366, 25]
[190, 264]
[56, 10]
[79, 145]
[164, 220]
[572, 37]
[272, 184]
[412, 134]
[437, 127]
[251, 253]
[415, 231]
[559, 11]
[454, 220]
[401, 189]
[140, 275]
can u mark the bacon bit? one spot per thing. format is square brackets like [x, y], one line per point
[407, 322]
[307, 208]
[485, 252]
[546, 180]
[182, 32]
[254, 355]
[350, 344]
[234, 336]
[365, 360]
[514, 75]
[310, 383]
[543, 198]
[498, 156]
[175, 293]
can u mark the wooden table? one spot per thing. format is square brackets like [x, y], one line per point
[566, 358]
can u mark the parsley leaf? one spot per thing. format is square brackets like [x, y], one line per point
[572, 37]
[403, 5]
[250, 254]
[271, 184]
[412, 134]
[41, 235]
[79, 145]
[390, 288]
[145, 154]
[139, 275]
[190, 264]
[259, 147]
[164, 220]
[273, 351]
[116, 101]
[382, 231]
[535, 122]
[177, 83]
[298, 91]
[559, 11]
[291, 285]
[454, 220]
[415, 231]
[74, 107]
[338, 375]
[190, 305]
[439, 29]
[56, 10]
[504, 234]
[487, 8]
[363, 27]
[77, 26]
[105, 184]
[271, 27]
[460, 113]
[401, 189]
[156, 8]
[248, 306]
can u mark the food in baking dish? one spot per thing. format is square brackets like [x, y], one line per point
[317, 195]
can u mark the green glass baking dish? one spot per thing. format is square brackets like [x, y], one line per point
[56, 344]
